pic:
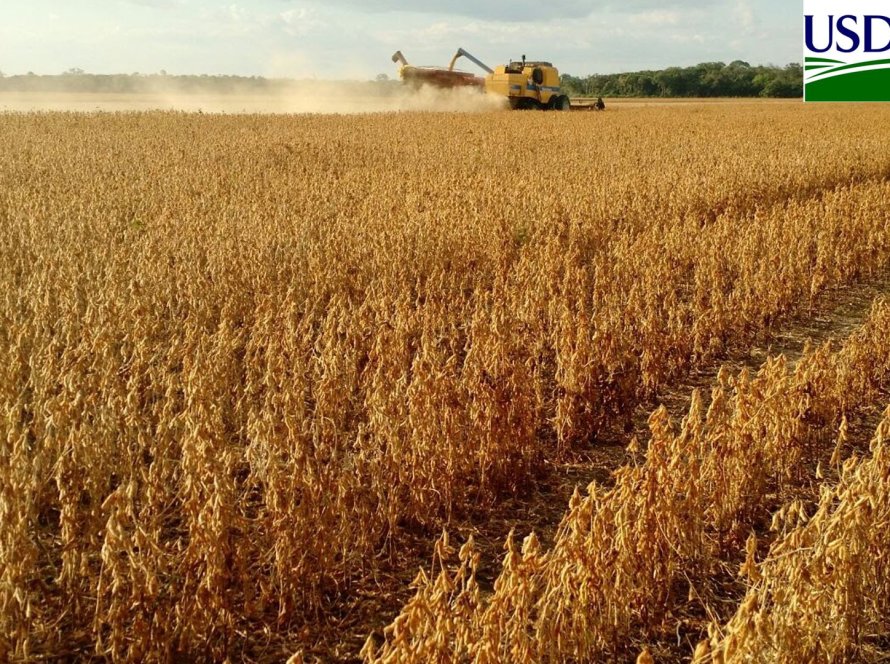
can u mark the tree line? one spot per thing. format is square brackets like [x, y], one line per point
[708, 79]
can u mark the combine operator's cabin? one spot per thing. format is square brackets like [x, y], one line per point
[528, 85]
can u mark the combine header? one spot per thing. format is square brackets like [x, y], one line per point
[525, 84]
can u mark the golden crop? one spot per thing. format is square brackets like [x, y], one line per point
[240, 356]
[619, 555]
[822, 592]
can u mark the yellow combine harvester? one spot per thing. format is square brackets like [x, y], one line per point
[526, 84]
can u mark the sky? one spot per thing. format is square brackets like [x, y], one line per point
[354, 39]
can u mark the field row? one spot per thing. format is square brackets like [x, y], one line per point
[821, 593]
[627, 559]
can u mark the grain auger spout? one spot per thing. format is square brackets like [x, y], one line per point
[469, 56]
[398, 58]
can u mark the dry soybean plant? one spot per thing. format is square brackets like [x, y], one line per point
[821, 593]
[242, 356]
[621, 554]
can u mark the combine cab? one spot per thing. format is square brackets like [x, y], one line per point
[528, 85]
[525, 84]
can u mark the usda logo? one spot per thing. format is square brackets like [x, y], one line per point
[846, 50]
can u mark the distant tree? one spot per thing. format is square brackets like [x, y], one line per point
[786, 85]
[647, 86]
[572, 85]
[708, 79]
[674, 82]
[794, 70]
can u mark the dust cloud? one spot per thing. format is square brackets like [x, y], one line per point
[326, 97]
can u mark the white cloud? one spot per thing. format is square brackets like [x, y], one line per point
[743, 14]
[657, 18]
[301, 21]
[155, 4]
[351, 38]
[505, 11]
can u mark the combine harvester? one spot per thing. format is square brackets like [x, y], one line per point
[526, 85]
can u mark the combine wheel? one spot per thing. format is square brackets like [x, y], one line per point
[525, 104]
[563, 103]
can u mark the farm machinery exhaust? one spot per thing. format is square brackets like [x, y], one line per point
[525, 84]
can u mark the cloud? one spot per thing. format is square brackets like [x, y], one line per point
[301, 22]
[633, 6]
[743, 14]
[507, 11]
[155, 4]
[520, 11]
[657, 18]
[355, 38]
